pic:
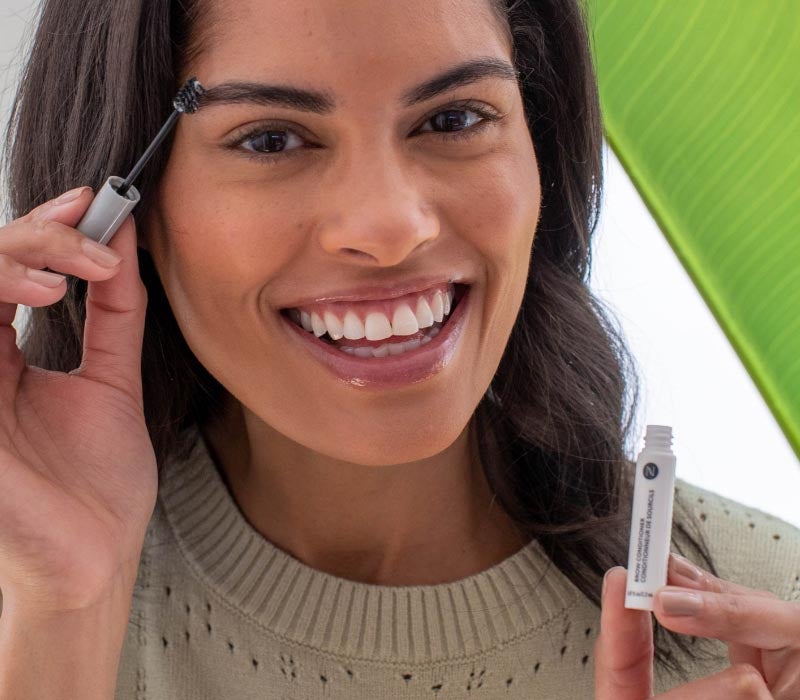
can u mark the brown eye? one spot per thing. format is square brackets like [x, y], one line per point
[453, 120]
[269, 141]
[460, 121]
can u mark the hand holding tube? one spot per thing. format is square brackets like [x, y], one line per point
[762, 633]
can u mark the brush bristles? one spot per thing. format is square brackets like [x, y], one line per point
[188, 97]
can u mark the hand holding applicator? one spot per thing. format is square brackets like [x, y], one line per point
[118, 197]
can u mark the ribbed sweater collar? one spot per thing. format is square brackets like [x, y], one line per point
[310, 607]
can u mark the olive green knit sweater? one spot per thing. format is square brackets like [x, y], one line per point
[219, 613]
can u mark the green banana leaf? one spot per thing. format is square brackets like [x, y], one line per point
[701, 105]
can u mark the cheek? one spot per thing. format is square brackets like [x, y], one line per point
[499, 207]
[227, 241]
[499, 215]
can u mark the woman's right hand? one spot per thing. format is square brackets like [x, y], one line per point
[78, 475]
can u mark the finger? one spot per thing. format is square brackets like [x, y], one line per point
[682, 572]
[46, 237]
[757, 621]
[115, 313]
[47, 243]
[68, 208]
[623, 665]
[78, 202]
[22, 285]
[740, 681]
[27, 248]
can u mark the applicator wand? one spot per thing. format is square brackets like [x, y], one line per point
[118, 197]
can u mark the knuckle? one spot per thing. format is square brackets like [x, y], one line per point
[41, 227]
[63, 239]
[748, 682]
[731, 608]
[712, 583]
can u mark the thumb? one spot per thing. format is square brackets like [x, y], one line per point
[623, 652]
[115, 313]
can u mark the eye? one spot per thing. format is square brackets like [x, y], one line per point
[270, 142]
[455, 124]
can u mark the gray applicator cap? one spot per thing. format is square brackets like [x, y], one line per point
[108, 211]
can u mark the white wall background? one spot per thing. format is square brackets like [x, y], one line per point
[725, 438]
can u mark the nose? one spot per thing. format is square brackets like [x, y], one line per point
[377, 210]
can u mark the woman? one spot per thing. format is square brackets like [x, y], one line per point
[261, 489]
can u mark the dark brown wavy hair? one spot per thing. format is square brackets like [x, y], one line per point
[554, 427]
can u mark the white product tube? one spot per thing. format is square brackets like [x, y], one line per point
[651, 518]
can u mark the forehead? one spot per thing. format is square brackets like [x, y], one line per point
[356, 42]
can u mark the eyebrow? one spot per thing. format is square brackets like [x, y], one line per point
[322, 102]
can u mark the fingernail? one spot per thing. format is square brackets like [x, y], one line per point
[605, 583]
[70, 196]
[47, 279]
[680, 602]
[686, 569]
[102, 255]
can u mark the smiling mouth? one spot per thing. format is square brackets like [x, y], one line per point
[393, 344]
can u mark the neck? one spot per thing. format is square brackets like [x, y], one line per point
[419, 523]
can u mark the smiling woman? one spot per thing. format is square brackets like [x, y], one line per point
[390, 420]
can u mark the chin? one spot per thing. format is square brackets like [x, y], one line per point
[398, 445]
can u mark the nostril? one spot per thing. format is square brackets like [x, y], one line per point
[352, 252]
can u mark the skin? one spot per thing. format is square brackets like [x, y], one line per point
[378, 486]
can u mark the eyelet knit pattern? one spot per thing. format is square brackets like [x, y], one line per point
[220, 612]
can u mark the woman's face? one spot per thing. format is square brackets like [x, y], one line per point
[356, 205]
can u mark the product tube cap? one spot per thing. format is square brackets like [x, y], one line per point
[108, 211]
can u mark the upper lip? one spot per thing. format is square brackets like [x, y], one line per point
[380, 292]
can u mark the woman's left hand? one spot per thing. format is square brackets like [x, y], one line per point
[758, 627]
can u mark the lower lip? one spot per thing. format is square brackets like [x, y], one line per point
[393, 371]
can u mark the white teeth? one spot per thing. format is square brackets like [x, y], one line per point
[334, 326]
[404, 322]
[437, 307]
[377, 326]
[353, 328]
[318, 325]
[390, 348]
[424, 314]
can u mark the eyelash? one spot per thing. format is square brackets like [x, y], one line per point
[487, 117]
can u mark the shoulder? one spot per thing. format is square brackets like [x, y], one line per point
[747, 545]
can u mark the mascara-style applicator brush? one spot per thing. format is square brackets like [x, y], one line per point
[117, 198]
